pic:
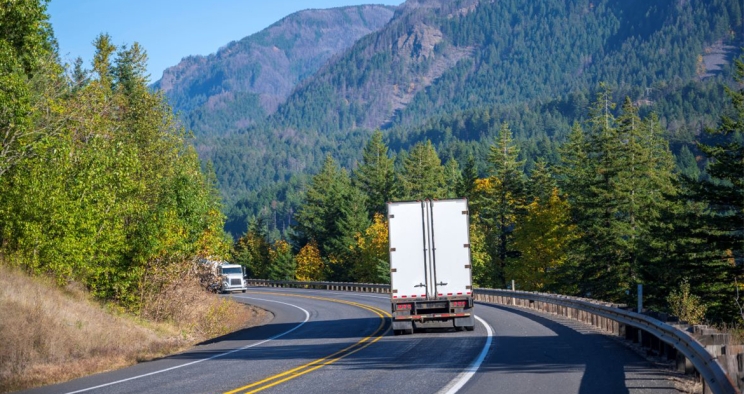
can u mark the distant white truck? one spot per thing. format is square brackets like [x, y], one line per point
[430, 270]
[226, 277]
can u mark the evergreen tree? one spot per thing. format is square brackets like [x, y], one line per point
[80, 76]
[422, 175]
[130, 69]
[453, 177]
[104, 49]
[332, 214]
[282, 262]
[376, 175]
[687, 164]
[709, 225]
[619, 180]
[252, 250]
[541, 183]
[500, 201]
[466, 184]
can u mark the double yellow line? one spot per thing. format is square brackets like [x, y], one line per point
[279, 378]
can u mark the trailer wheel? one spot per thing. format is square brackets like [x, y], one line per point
[243, 291]
[459, 328]
[397, 332]
[409, 331]
[470, 328]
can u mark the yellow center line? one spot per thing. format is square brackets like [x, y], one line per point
[274, 380]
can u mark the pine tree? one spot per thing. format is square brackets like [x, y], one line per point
[102, 60]
[422, 175]
[80, 76]
[466, 184]
[333, 213]
[252, 250]
[709, 225]
[619, 181]
[541, 182]
[500, 201]
[282, 262]
[376, 175]
[452, 177]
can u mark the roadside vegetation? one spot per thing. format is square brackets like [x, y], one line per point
[104, 212]
[53, 334]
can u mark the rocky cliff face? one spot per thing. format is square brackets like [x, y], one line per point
[265, 67]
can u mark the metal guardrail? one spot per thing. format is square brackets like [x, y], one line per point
[609, 317]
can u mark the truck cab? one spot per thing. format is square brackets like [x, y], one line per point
[231, 278]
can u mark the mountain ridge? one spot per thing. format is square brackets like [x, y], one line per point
[246, 80]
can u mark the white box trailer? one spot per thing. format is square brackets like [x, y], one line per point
[430, 270]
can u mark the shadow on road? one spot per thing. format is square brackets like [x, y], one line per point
[605, 366]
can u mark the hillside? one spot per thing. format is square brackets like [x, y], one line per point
[451, 56]
[441, 57]
[246, 80]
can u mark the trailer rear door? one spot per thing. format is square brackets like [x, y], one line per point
[451, 245]
[407, 250]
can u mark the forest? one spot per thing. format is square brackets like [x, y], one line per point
[613, 210]
[536, 66]
[586, 194]
[99, 185]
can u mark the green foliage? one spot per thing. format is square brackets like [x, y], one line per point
[500, 202]
[422, 175]
[375, 175]
[709, 224]
[619, 180]
[282, 262]
[252, 251]
[100, 185]
[333, 214]
[688, 307]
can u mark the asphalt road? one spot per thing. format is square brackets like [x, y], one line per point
[333, 342]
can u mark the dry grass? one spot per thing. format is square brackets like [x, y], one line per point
[52, 335]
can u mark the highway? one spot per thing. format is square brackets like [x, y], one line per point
[338, 342]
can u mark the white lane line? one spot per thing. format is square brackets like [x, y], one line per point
[307, 317]
[456, 384]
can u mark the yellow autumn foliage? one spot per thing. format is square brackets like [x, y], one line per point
[543, 237]
[310, 265]
[371, 253]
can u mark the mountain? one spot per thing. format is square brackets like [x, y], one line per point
[246, 80]
[453, 70]
[440, 56]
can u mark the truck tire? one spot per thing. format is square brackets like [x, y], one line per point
[243, 291]
[469, 328]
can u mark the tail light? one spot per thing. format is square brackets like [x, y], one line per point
[459, 304]
[403, 307]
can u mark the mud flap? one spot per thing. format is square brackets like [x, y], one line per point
[465, 321]
[402, 325]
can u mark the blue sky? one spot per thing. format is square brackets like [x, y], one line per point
[170, 29]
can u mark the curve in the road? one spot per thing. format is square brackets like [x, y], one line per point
[279, 378]
[331, 334]
[307, 317]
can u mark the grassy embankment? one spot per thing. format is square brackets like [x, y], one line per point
[50, 334]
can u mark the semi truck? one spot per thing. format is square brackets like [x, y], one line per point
[431, 283]
[223, 277]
